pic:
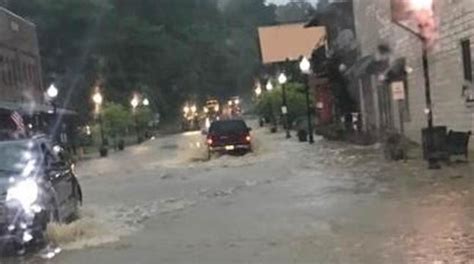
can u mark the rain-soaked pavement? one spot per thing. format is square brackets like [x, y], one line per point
[286, 203]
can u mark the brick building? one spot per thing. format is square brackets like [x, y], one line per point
[20, 67]
[21, 85]
[449, 61]
[333, 99]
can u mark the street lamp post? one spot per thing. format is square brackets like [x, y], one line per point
[135, 102]
[258, 93]
[432, 163]
[282, 79]
[305, 67]
[51, 94]
[424, 7]
[269, 87]
[98, 100]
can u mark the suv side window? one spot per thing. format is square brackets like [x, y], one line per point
[48, 155]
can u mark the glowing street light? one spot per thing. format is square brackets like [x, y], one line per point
[305, 65]
[258, 90]
[52, 92]
[282, 79]
[186, 109]
[421, 5]
[269, 86]
[135, 102]
[146, 102]
[97, 98]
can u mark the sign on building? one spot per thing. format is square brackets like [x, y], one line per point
[289, 41]
[398, 91]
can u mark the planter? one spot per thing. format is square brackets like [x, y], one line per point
[104, 152]
[121, 145]
[302, 135]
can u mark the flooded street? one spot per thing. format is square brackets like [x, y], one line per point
[286, 203]
[147, 95]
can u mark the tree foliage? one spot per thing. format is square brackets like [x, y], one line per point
[270, 102]
[295, 11]
[169, 49]
[116, 120]
[143, 118]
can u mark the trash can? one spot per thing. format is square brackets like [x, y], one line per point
[302, 135]
[439, 149]
[458, 143]
[121, 145]
[103, 151]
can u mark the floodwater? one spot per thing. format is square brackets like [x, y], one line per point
[287, 202]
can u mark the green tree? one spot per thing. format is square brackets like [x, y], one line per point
[143, 117]
[177, 49]
[271, 102]
[117, 120]
[295, 11]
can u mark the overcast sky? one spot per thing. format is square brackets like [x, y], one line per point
[286, 1]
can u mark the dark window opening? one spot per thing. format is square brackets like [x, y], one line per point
[406, 110]
[466, 59]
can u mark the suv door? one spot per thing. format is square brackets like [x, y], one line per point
[60, 176]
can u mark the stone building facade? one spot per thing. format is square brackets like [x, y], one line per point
[450, 65]
[20, 65]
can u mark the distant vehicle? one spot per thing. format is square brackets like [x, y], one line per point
[229, 136]
[190, 119]
[212, 110]
[234, 106]
[38, 187]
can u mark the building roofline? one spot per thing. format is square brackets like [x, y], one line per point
[17, 16]
[302, 23]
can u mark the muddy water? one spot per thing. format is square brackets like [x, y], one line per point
[285, 203]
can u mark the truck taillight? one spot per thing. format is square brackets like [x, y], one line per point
[209, 141]
[248, 138]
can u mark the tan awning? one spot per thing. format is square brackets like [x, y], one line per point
[290, 41]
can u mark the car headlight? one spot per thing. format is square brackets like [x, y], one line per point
[26, 192]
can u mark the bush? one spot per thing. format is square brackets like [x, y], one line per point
[116, 120]
[144, 118]
[270, 103]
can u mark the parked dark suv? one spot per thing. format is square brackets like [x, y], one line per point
[37, 186]
[229, 136]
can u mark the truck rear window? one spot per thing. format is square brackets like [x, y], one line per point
[228, 126]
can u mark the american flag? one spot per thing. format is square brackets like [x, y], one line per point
[18, 120]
